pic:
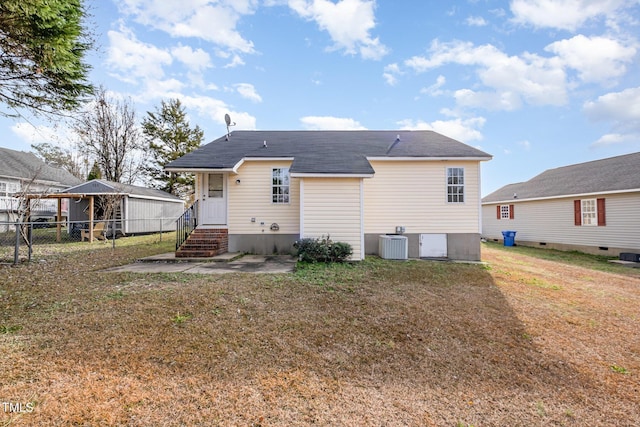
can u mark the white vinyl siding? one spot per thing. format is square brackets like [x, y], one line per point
[147, 215]
[413, 194]
[252, 198]
[552, 221]
[332, 207]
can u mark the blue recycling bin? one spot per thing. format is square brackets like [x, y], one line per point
[509, 237]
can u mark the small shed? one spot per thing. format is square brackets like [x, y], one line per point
[136, 209]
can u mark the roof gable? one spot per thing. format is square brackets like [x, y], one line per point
[102, 186]
[23, 165]
[324, 152]
[621, 173]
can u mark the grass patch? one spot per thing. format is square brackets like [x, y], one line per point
[619, 369]
[580, 259]
[9, 329]
[540, 283]
[179, 319]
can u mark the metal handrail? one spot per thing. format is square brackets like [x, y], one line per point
[187, 222]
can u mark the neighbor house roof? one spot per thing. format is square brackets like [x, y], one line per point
[23, 165]
[98, 187]
[324, 152]
[614, 174]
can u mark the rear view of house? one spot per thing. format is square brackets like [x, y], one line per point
[592, 207]
[263, 190]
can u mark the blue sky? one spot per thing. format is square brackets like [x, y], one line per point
[536, 83]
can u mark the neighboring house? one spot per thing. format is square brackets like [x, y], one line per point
[263, 190]
[136, 209]
[591, 207]
[22, 172]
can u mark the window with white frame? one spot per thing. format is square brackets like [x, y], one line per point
[505, 212]
[455, 185]
[589, 212]
[8, 189]
[280, 185]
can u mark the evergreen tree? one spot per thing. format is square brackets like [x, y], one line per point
[94, 173]
[42, 49]
[170, 136]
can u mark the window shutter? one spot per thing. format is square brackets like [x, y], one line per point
[511, 214]
[601, 213]
[577, 212]
[498, 211]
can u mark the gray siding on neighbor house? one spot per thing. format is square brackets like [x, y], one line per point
[552, 221]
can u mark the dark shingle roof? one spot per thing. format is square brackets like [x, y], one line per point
[20, 164]
[607, 175]
[102, 186]
[324, 152]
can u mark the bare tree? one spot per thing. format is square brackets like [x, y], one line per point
[62, 158]
[108, 133]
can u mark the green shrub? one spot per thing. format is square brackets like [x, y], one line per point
[322, 250]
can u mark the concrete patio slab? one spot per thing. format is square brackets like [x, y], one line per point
[244, 264]
[171, 257]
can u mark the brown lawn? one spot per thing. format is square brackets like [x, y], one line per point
[523, 341]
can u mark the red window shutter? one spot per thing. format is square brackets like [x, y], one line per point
[498, 211]
[577, 212]
[511, 214]
[601, 213]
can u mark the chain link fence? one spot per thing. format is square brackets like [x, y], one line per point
[19, 241]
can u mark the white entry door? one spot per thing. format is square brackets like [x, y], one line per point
[433, 246]
[214, 199]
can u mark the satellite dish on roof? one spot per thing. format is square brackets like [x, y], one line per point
[227, 120]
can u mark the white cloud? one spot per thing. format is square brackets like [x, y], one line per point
[131, 58]
[236, 61]
[158, 89]
[434, 89]
[596, 59]
[564, 14]
[36, 134]
[213, 21]
[464, 130]
[502, 101]
[476, 21]
[196, 60]
[215, 109]
[391, 73]
[620, 108]
[510, 80]
[248, 91]
[616, 139]
[348, 23]
[330, 123]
